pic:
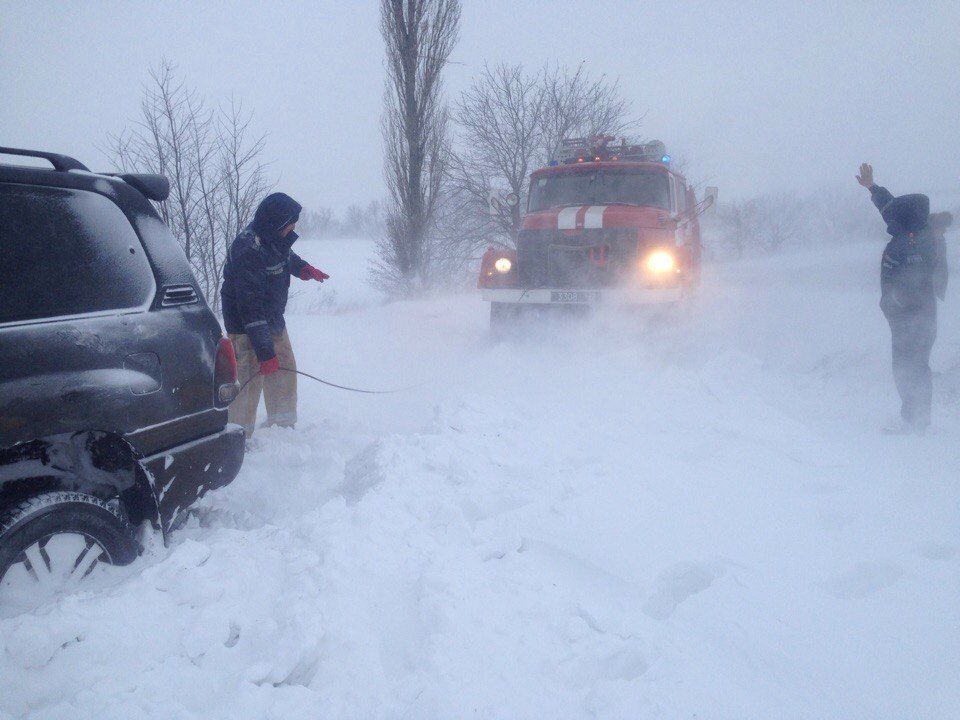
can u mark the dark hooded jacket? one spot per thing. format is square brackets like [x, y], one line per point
[910, 258]
[256, 274]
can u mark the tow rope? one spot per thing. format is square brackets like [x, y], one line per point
[325, 382]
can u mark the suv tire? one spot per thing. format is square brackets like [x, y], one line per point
[51, 542]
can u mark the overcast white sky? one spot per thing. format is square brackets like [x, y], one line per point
[758, 96]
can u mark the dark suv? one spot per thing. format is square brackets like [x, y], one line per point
[114, 375]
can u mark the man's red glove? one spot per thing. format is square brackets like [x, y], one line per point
[309, 272]
[268, 367]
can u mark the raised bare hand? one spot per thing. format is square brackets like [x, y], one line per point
[865, 177]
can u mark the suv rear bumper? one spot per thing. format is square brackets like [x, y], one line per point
[183, 474]
[583, 296]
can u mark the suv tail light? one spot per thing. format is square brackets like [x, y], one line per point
[225, 372]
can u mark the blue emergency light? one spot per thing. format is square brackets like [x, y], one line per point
[665, 159]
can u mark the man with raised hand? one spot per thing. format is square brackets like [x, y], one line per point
[256, 284]
[908, 298]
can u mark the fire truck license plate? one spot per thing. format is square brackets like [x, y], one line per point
[574, 296]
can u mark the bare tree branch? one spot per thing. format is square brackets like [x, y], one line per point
[419, 36]
[510, 122]
[214, 167]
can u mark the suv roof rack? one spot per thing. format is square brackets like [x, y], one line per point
[59, 162]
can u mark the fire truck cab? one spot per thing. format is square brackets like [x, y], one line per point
[606, 223]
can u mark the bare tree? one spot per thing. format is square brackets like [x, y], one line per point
[316, 223]
[780, 221]
[232, 182]
[577, 105]
[733, 224]
[357, 222]
[419, 36]
[214, 167]
[464, 224]
[510, 122]
[354, 221]
[500, 121]
[771, 223]
[764, 224]
[161, 141]
[373, 221]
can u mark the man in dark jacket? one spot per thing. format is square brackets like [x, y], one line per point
[908, 298]
[256, 283]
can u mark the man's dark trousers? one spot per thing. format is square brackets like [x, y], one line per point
[913, 335]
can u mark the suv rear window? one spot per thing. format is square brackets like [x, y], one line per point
[67, 252]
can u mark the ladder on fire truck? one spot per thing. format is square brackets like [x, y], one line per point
[603, 147]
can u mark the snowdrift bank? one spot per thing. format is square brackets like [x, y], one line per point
[613, 519]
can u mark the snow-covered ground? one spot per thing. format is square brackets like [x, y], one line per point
[622, 518]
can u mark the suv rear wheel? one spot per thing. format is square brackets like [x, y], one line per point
[51, 543]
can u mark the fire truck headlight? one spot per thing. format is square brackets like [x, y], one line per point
[660, 262]
[503, 265]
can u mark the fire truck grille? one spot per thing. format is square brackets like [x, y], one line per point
[586, 258]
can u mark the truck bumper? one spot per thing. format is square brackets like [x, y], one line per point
[181, 475]
[579, 296]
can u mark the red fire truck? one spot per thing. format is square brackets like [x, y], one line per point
[606, 223]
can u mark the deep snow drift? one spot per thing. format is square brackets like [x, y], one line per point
[619, 518]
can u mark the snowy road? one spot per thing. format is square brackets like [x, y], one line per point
[613, 519]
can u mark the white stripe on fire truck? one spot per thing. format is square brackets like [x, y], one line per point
[580, 213]
[594, 216]
[567, 218]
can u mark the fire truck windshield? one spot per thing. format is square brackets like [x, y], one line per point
[640, 187]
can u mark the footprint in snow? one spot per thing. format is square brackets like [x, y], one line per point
[862, 580]
[936, 551]
[627, 663]
[362, 472]
[677, 583]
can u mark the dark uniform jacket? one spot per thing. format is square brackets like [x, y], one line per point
[910, 259]
[256, 274]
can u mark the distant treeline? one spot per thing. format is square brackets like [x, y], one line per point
[355, 222]
[767, 224]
